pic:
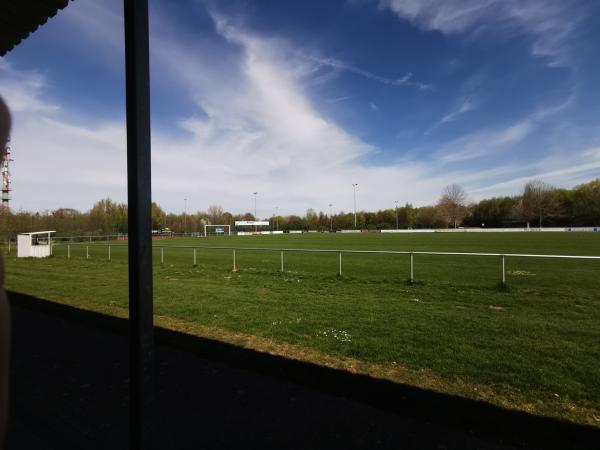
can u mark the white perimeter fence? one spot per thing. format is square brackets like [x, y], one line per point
[492, 230]
[411, 254]
[112, 237]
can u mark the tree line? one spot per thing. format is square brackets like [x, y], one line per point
[539, 204]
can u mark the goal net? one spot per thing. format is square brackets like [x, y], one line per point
[217, 230]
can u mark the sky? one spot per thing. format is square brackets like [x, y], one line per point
[299, 100]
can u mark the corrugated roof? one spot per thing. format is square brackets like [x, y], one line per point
[19, 18]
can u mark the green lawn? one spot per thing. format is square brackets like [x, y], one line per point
[532, 347]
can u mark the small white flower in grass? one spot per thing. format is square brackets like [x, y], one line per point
[418, 300]
[338, 335]
[276, 322]
[521, 273]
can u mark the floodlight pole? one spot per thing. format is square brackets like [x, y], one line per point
[396, 202]
[255, 226]
[139, 193]
[354, 186]
[184, 216]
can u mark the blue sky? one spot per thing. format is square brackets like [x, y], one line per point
[298, 100]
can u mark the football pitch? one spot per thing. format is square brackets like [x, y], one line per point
[531, 346]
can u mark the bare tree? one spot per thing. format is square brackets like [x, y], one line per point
[453, 204]
[214, 214]
[538, 201]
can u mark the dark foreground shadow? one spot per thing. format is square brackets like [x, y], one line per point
[69, 379]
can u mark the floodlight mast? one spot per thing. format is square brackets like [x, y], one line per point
[354, 186]
[6, 178]
[184, 216]
[255, 226]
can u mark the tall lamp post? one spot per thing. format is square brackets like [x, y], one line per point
[396, 202]
[255, 226]
[184, 216]
[330, 217]
[354, 186]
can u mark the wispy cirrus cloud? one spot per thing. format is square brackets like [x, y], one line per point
[466, 105]
[338, 99]
[562, 170]
[405, 80]
[488, 141]
[549, 23]
[21, 90]
[484, 143]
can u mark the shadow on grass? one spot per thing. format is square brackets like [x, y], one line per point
[475, 418]
[502, 287]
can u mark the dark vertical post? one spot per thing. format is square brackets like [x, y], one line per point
[141, 333]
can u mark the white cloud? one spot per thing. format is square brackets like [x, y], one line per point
[20, 92]
[338, 99]
[56, 161]
[564, 170]
[91, 20]
[487, 142]
[550, 23]
[262, 134]
[484, 143]
[467, 105]
[405, 80]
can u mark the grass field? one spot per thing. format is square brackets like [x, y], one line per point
[532, 347]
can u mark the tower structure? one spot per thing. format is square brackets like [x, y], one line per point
[4, 169]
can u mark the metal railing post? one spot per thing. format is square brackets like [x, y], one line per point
[234, 268]
[412, 268]
[281, 261]
[109, 252]
[340, 264]
[194, 256]
[9, 246]
[68, 251]
[87, 252]
[162, 255]
[503, 270]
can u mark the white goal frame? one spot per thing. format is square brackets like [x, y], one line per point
[217, 226]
